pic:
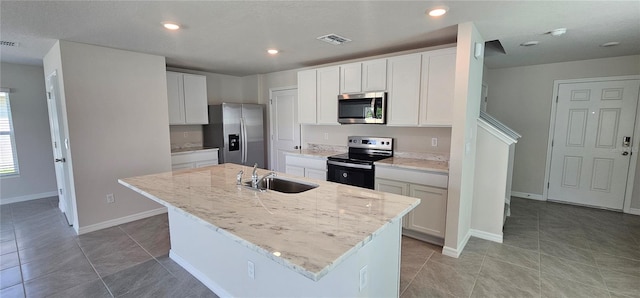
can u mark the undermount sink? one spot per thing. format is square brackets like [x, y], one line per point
[283, 185]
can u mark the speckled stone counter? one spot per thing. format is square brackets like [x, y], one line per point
[415, 164]
[190, 150]
[312, 232]
[315, 153]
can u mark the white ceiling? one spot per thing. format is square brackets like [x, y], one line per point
[231, 37]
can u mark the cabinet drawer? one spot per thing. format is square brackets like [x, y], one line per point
[413, 176]
[198, 156]
[307, 162]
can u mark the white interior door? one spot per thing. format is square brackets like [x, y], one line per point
[589, 159]
[285, 127]
[60, 145]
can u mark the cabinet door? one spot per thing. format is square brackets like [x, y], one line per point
[390, 186]
[182, 166]
[374, 75]
[294, 170]
[175, 98]
[351, 78]
[206, 163]
[438, 79]
[430, 216]
[403, 77]
[307, 96]
[316, 174]
[328, 88]
[195, 99]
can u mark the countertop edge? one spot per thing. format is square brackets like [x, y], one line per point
[194, 150]
[407, 167]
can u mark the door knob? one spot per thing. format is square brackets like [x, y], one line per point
[296, 147]
[625, 153]
[61, 159]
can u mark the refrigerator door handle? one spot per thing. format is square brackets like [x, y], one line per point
[243, 138]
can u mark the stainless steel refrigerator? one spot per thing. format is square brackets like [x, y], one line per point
[238, 131]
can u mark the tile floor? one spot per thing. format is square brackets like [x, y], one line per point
[549, 250]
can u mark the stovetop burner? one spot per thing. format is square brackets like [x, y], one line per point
[366, 150]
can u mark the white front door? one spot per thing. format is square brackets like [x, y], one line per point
[60, 146]
[590, 157]
[285, 133]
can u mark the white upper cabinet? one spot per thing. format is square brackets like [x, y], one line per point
[351, 78]
[403, 98]
[374, 75]
[318, 91]
[328, 84]
[307, 96]
[438, 79]
[187, 98]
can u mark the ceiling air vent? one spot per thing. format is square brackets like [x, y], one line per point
[334, 39]
[5, 43]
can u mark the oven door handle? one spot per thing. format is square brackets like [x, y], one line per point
[350, 165]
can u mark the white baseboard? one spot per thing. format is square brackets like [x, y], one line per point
[455, 253]
[121, 220]
[212, 285]
[634, 211]
[525, 195]
[28, 197]
[486, 236]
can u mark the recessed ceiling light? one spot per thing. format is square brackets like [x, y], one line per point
[171, 26]
[272, 51]
[529, 43]
[438, 11]
[610, 44]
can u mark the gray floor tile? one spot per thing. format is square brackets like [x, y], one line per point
[141, 276]
[566, 236]
[40, 252]
[515, 255]
[521, 241]
[486, 287]
[477, 245]
[567, 252]
[414, 255]
[7, 247]
[622, 283]
[60, 280]
[10, 277]
[151, 233]
[9, 260]
[560, 287]
[16, 291]
[122, 258]
[93, 289]
[424, 291]
[443, 278]
[618, 295]
[200, 290]
[556, 267]
[72, 258]
[7, 235]
[623, 265]
[497, 272]
[625, 251]
[46, 238]
[468, 262]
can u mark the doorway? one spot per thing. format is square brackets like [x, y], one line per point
[593, 141]
[60, 145]
[285, 129]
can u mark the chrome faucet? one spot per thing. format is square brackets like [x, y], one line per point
[254, 176]
[267, 175]
[239, 177]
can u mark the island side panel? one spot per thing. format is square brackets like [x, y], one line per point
[221, 264]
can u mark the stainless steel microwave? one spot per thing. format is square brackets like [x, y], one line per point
[362, 108]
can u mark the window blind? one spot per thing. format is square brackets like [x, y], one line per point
[8, 158]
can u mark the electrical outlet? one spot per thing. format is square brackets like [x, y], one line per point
[326, 135]
[251, 270]
[363, 277]
[110, 198]
[434, 142]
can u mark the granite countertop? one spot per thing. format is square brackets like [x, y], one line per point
[314, 231]
[191, 149]
[415, 164]
[316, 153]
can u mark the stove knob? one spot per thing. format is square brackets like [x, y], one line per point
[344, 175]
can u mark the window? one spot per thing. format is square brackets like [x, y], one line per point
[8, 157]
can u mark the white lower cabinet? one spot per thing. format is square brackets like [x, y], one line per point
[194, 159]
[310, 167]
[429, 217]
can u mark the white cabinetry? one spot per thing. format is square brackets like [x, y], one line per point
[438, 78]
[187, 96]
[310, 167]
[403, 77]
[363, 76]
[429, 217]
[318, 91]
[194, 159]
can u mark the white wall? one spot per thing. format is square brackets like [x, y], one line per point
[29, 110]
[118, 126]
[521, 98]
[466, 107]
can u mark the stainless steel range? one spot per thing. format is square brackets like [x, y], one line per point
[356, 167]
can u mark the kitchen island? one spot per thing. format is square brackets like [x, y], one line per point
[334, 240]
